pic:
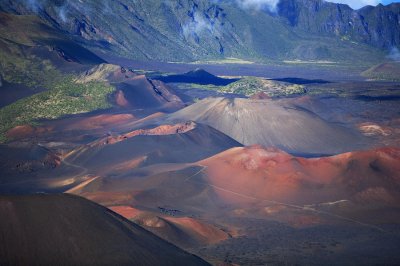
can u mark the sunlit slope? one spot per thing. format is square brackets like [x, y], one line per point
[270, 123]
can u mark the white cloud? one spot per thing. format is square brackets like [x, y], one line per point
[356, 4]
[196, 26]
[394, 54]
[258, 4]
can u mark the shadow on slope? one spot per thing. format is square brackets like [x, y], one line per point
[68, 230]
[197, 76]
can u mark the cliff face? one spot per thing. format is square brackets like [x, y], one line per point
[377, 26]
[187, 30]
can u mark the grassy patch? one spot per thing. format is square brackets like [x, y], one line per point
[228, 60]
[251, 85]
[62, 97]
[65, 98]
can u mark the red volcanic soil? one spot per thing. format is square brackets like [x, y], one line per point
[272, 175]
[205, 233]
[127, 211]
[92, 123]
[26, 131]
[120, 99]
[185, 231]
[158, 131]
[99, 121]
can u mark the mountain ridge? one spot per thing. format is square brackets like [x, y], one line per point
[190, 30]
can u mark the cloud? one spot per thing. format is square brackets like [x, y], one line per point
[258, 4]
[356, 4]
[62, 13]
[196, 26]
[394, 54]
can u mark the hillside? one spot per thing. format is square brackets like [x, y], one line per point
[384, 71]
[360, 177]
[251, 122]
[63, 229]
[192, 30]
[169, 143]
[37, 67]
[376, 26]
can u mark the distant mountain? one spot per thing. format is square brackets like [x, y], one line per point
[190, 30]
[378, 26]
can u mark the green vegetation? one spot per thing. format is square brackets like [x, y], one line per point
[228, 60]
[65, 98]
[29, 70]
[252, 85]
[209, 32]
[19, 65]
[249, 86]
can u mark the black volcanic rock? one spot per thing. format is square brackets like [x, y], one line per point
[198, 76]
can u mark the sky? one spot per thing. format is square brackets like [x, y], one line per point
[271, 4]
[360, 3]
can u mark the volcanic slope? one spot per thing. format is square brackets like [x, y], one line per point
[171, 225]
[350, 183]
[133, 90]
[269, 123]
[68, 230]
[267, 173]
[173, 143]
[141, 92]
